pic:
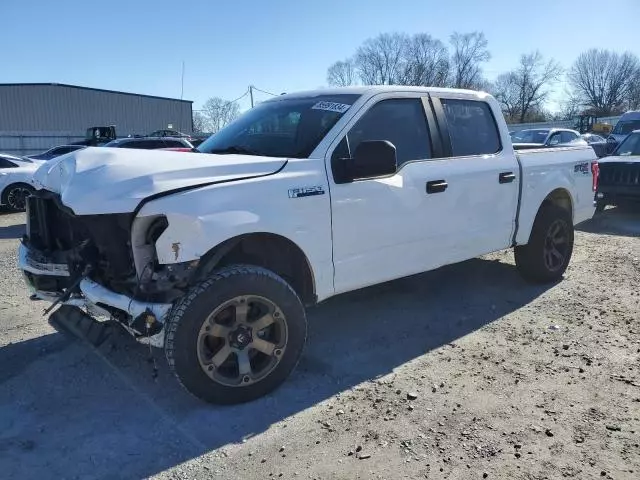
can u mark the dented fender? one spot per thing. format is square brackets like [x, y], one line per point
[201, 219]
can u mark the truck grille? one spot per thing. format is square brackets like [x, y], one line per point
[101, 240]
[50, 228]
[619, 174]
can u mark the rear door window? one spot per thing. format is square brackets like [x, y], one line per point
[472, 128]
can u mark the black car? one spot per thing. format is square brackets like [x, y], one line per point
[149, 143]
[169, 133]
[619, 177]
[598, 143]
[56, 152]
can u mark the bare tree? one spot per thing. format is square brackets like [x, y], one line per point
[469, 53]
[425, 61]
[570, 107]
[199, 123]
[380, 60]
[604, 79]
[633, 97]
[342, 73]
[219, 113]
[523, 91]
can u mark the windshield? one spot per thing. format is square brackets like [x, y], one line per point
[290, 128]
[629, 146]
[626, 127]
[530, 136]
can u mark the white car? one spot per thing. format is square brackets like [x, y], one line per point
[214, 255]
[16, 180]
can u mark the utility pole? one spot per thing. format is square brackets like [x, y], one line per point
[251, 94]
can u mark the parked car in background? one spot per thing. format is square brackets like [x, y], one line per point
[150, 143]
[97, 136]
[215, 258]
[169, 133]
[627, 123]
[545, 137]
[56, 152]
[16, 180]
[597, 142]
[619, 181]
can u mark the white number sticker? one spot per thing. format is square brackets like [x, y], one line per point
[331, 107]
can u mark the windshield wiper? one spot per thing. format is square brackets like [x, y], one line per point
[237, 149]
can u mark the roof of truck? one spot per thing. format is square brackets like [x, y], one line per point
[371, 89]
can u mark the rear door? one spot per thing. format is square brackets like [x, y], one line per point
[481, 174]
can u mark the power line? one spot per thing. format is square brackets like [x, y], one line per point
[264, 91]
[241, 96]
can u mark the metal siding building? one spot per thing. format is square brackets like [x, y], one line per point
[67, 110]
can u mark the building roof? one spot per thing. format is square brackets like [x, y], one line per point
[89, 88]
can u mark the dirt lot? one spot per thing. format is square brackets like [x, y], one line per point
[462, 373]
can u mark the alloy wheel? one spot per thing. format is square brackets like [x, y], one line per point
[242, 341]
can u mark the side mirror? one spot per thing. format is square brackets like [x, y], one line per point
[372, 158]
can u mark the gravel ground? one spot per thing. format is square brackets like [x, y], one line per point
[462, 373]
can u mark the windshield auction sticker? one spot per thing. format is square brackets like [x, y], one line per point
[331, 107]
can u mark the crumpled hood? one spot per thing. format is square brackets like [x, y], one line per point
[115, 180]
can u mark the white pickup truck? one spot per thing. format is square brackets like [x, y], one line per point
[214, 255]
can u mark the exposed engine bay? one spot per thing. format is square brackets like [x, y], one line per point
[107, 261]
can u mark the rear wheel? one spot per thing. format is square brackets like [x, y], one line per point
[15, 196]
[546, 257]
[236, 336]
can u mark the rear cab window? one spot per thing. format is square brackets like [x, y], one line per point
[472, 127]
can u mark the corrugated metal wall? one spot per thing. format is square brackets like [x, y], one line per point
[61, 108]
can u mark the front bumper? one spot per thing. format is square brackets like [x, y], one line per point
[38, 271]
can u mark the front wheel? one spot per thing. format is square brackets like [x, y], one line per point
[236, 336]
[546, 257]
[15, 196]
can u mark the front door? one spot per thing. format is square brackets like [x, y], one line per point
[380, 225]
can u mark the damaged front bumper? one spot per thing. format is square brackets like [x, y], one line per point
[137, 316]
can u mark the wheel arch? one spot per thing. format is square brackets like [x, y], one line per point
[559, 196]
[263, 249]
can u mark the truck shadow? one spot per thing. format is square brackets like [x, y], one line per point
[69, 412]
[614, 221]
[12, 231]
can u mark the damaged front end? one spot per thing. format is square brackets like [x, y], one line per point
[105, 264]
